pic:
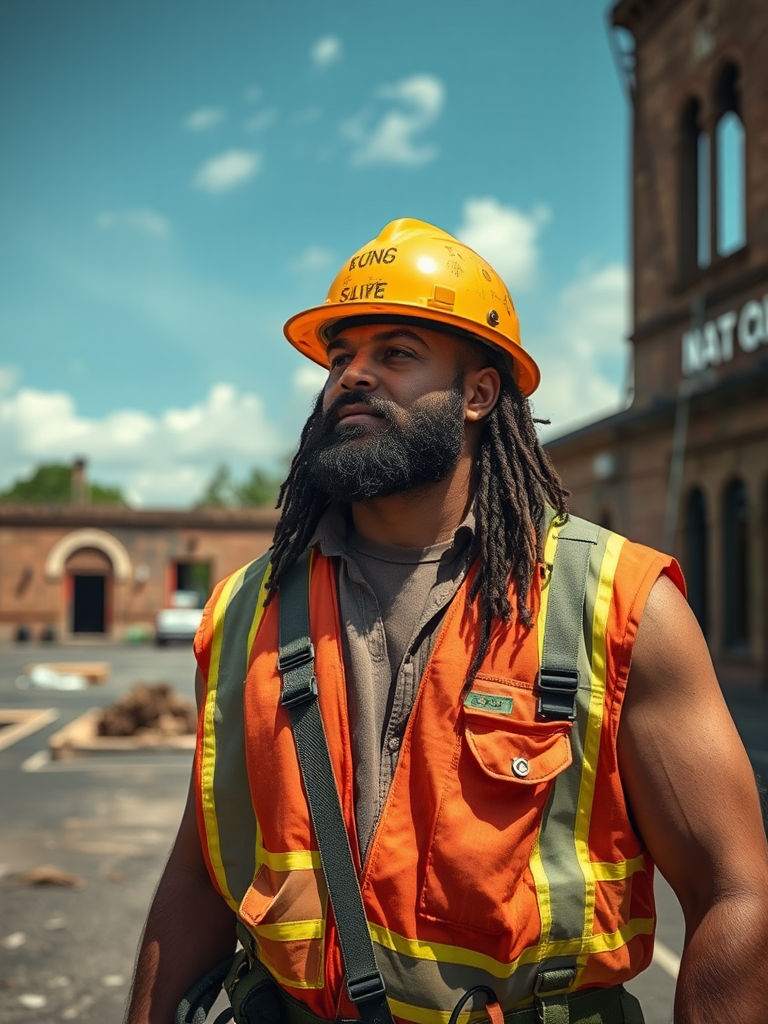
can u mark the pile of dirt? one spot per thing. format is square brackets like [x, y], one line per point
[149, 708]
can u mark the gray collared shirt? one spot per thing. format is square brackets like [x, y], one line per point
[391, 601]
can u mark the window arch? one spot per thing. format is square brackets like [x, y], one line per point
[730, 162]
[694, 190]
[696, 555]
[736, 565]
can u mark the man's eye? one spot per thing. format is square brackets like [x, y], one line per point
[337, 361]
[398, 352]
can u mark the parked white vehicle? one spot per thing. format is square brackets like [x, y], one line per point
[180, 621]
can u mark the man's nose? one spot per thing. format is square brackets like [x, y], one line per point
[358, 373]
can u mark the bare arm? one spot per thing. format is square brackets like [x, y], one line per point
[188, 931]
[695, 801]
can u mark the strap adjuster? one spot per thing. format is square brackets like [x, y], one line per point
[557, 693]
[297, 694]
[554, 980]
[286, 662]
[370, 986]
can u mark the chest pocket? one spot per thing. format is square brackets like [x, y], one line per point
[490, 809]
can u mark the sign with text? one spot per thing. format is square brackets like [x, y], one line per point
[715, 341]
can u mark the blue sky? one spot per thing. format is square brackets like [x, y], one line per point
[178, 178]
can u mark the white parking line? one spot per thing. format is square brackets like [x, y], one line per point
[664, 958]
[42, 762]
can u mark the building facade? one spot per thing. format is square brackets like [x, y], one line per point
[685, 467]
[78, 570]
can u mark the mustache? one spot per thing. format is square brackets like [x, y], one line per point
[379, 406]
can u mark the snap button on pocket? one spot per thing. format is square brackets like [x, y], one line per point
[520, 767]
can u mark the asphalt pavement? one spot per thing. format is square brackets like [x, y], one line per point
[105, 824]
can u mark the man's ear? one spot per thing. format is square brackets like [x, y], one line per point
[481, 392]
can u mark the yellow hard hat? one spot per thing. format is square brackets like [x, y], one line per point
[416, 270]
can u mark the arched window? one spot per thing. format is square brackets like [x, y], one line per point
[736, 565]
[696, 555]
[694, 191]
[730, 163]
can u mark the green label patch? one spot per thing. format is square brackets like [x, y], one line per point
[489, 702]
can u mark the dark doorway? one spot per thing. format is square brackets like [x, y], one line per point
[88, 600]
[696, 555]
[194, 576]
[736, 559]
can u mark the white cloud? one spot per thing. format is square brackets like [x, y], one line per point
[203, 118]
[506, 237]
[228, 170]
[308, 380]
[9, 378]
[583, 357]
[314, 257]
[260, 121]
[156, 459]
[391, 138]
[326, 51]
[145, 221]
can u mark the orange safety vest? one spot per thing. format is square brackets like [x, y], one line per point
[479, 872]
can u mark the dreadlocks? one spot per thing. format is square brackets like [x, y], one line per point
[515, 480]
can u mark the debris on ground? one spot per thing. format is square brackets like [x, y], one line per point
[49, 874]
[32, 1001]
[13, 941]
[40, 677]
[149, 708]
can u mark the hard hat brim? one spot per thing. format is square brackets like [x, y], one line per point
[305, 332]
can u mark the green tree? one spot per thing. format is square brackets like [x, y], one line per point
[260, 488]
[220, 490]
[53, 482]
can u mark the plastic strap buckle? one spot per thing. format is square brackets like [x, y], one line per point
[298, 686]
[297, 694]
[557, 693]
[286, 662]
[370, 986]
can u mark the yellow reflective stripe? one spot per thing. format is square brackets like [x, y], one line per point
[290, 931]
[441, 953]
[550, 546]
[603, 598]
[293, 860]
[541, 882]
[208, 758]
[422, 1015]
[535, 864]
[606, 871]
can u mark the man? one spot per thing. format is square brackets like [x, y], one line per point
[503, 827]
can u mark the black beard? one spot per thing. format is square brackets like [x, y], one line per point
[358, 462]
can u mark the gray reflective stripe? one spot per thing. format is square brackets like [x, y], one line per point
[557, 837]
[438, 986]
[564, 627]
[234, 808]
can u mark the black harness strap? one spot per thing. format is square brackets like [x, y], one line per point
[296, 663]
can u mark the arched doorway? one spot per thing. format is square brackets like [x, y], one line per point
[89, 591]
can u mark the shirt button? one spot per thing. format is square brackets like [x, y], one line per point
[393, 744]
[520, 767]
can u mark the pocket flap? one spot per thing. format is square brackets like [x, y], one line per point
[527, 754]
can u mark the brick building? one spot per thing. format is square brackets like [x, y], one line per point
[685, 467]
[82, 570]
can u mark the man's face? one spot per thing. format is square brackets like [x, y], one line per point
[392, 412]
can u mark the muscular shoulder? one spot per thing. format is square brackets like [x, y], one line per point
[682, 763]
